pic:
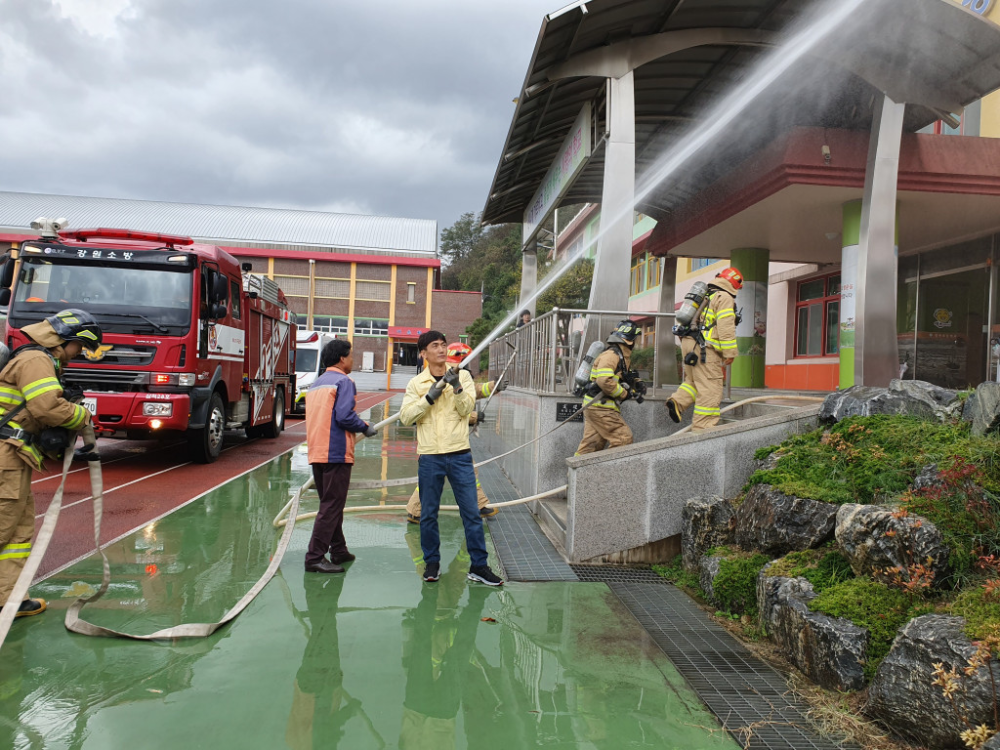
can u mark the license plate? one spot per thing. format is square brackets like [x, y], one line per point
[90, 404]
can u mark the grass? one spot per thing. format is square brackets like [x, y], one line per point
[872, 605]
[981, 611]
[823, 568]
[675, 573]
[735, 586]
[873, 459]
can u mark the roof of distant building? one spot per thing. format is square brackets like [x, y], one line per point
[269, 228]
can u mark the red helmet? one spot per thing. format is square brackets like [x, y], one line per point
[731, 275]
[457, 352]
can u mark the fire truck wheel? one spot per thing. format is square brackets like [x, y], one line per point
[206, 443]
[273, 428]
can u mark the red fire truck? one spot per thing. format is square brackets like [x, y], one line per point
[193, 343]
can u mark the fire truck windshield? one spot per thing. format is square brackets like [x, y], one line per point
[152, 297]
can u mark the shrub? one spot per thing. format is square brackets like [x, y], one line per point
[869, 459]
[980, 607]
[823, 568]
[736, 584]
[871, 605]
[675, 573]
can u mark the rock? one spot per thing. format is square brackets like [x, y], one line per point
[927, 477]
[914, 397]
[993, 743]
[874, 537]
[706, 522]
[903, 698]
[770, 462]
[983, 409]
[775, 523]
[708, 569]
[830, 651]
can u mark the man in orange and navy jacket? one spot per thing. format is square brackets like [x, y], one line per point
[331, 427]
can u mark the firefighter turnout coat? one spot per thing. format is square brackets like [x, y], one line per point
[30, 379]
[703, 382]
[603, 425]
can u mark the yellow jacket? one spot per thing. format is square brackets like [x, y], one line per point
[720, 319]
[443, 427]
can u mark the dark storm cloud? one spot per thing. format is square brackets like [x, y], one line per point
[396, 108]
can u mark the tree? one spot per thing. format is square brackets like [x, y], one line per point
[461, 239]
[571, 291]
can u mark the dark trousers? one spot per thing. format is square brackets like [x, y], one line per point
[332, 481]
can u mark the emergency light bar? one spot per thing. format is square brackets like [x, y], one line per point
[309, 339]
[125, 234]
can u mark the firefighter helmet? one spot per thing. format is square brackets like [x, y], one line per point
[626, 333]
[457, 352]
[76, 325]
[732, 275]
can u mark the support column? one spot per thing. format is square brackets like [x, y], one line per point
[310, 310]
[748, 367]
[850, 234]
[529, 278]
[876, 352]
[614, 248]
[667, 371]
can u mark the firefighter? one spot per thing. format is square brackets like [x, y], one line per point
[31, 400]
[456, 353]
[703, 378]
[603, 425]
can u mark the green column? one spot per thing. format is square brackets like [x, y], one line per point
[748, 368]
[850, 235]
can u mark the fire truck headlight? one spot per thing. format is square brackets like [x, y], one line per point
[157, 409]
[186, 379]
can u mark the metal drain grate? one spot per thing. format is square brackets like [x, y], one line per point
[610, 574]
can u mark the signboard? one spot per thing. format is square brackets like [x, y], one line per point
[573, 154]
[566, 410]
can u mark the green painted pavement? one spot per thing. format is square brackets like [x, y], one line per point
[371, 659]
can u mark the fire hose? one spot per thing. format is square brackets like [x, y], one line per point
[76, 624]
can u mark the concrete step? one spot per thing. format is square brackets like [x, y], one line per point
[552, 515]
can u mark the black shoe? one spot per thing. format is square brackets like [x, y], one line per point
[340, 559]
[324, 567]
[487, 511]
[432, 572]
[412, 518]
[483, 574]
[675, 415]
[31, 607]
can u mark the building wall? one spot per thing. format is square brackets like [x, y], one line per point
[453, 312]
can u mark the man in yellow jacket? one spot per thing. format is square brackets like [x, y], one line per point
[702, 384]
[439, 401]
[603, 425]
[457, 353]
[30, 387]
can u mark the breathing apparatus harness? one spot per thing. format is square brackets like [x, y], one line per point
[52, 440]
[635, 388]
[690, 318]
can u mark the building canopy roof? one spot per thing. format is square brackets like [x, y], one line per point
[932, 54]
[227, 225]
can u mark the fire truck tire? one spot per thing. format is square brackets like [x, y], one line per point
[273, 428]
[206, 443]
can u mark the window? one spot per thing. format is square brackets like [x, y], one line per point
[330, 325]
[817, 317]
[371, 327]
[293, 286]
[654, 269]
[377, 291]
[333, 288]
[235, 294]
[699, 263]
[638, 281]
[464, 338]
[411, 292]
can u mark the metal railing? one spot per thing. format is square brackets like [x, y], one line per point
[548, 350]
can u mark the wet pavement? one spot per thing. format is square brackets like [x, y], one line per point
[370, 659]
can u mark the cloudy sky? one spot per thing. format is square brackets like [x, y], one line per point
[394, 107]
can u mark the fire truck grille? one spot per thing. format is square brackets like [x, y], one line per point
[117, 381]
[123, 354]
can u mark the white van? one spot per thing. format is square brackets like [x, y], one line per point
[309, 344]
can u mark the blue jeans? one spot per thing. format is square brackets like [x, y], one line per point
[431, 472]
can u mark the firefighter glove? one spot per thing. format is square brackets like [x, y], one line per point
[370, 431]
[72, 392]
[501, 386]
[480, 417]
[453, 379]
[435, 392]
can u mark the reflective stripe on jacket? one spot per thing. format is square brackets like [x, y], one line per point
[604, 373]
[443, 427]
[30, 378]
[331, 422]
